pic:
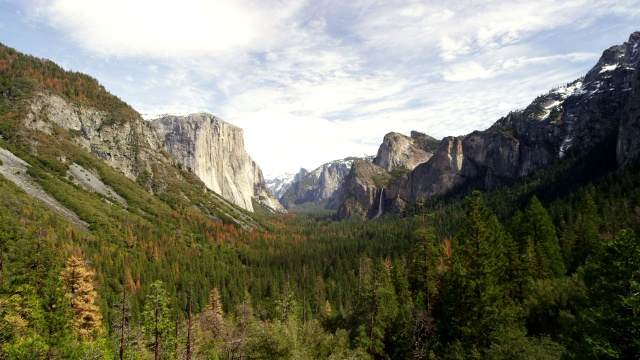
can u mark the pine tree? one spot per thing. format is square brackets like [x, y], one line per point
[473, 304]
[156, 321]
[585, 240]
[378, 305]
[121, 323]
[540, 236]
[612, 322]
[78, 279]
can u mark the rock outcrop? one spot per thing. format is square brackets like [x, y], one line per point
[214, 151]
[397, 156]
[362, 189]
[129, 145]
[280, 184]
[402, 152]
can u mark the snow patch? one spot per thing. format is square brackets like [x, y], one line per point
[608, 68]
[567, 91]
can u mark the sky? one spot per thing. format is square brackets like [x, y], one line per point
[311, 81]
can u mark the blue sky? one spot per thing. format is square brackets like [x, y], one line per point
[312, 81]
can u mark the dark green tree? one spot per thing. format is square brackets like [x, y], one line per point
[612, 321]
[583, 236]
[542, 247]
[473, 306]
[377, 305]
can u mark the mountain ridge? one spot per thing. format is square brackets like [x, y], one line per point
[594, 110]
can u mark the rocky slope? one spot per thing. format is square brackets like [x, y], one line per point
[397, 156]
[214, 151]
[601, 109]
[128, 145]
[362, 188]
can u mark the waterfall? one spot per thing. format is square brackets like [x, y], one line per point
[380, 208]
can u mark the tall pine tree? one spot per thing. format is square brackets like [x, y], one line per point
[473, 305]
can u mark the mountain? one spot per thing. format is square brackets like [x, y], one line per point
[66, 124]
[318, 189]
[214, 151]
[599, 110]
[281, 183]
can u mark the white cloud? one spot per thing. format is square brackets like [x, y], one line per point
[468, 71]
[450, 49]
[169, 29]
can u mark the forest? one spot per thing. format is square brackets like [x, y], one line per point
[546, 268]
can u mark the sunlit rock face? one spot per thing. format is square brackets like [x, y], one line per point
[214, 151]
[320, 186]
[361, 191]
[400, 151]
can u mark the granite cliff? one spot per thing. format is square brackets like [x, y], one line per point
[403, 152]
[214, 151]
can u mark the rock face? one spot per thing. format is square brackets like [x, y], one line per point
[362, 189]
[319, 187]
[602, 109]
[398, 155]
[214, 151]
[628, 145]
[399, 151]
[129, 146]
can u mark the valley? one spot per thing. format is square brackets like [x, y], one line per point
[125, 238]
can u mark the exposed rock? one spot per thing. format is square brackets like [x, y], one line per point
[361, 190]
[440, 174]
[91, 182]
[319, 187]
[214, 151]
[628, 145]
[15, 170]
[399, 151]
[280, 184]
[262, 194]
[573, 118]
[129, 145]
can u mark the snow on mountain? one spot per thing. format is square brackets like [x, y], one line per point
[279, 184]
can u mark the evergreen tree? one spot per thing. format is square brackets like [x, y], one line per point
[378, 306]
[539, 235]
[428, 262]
[612, 322]
[473, 305]
[156, 322]
[584, 238]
